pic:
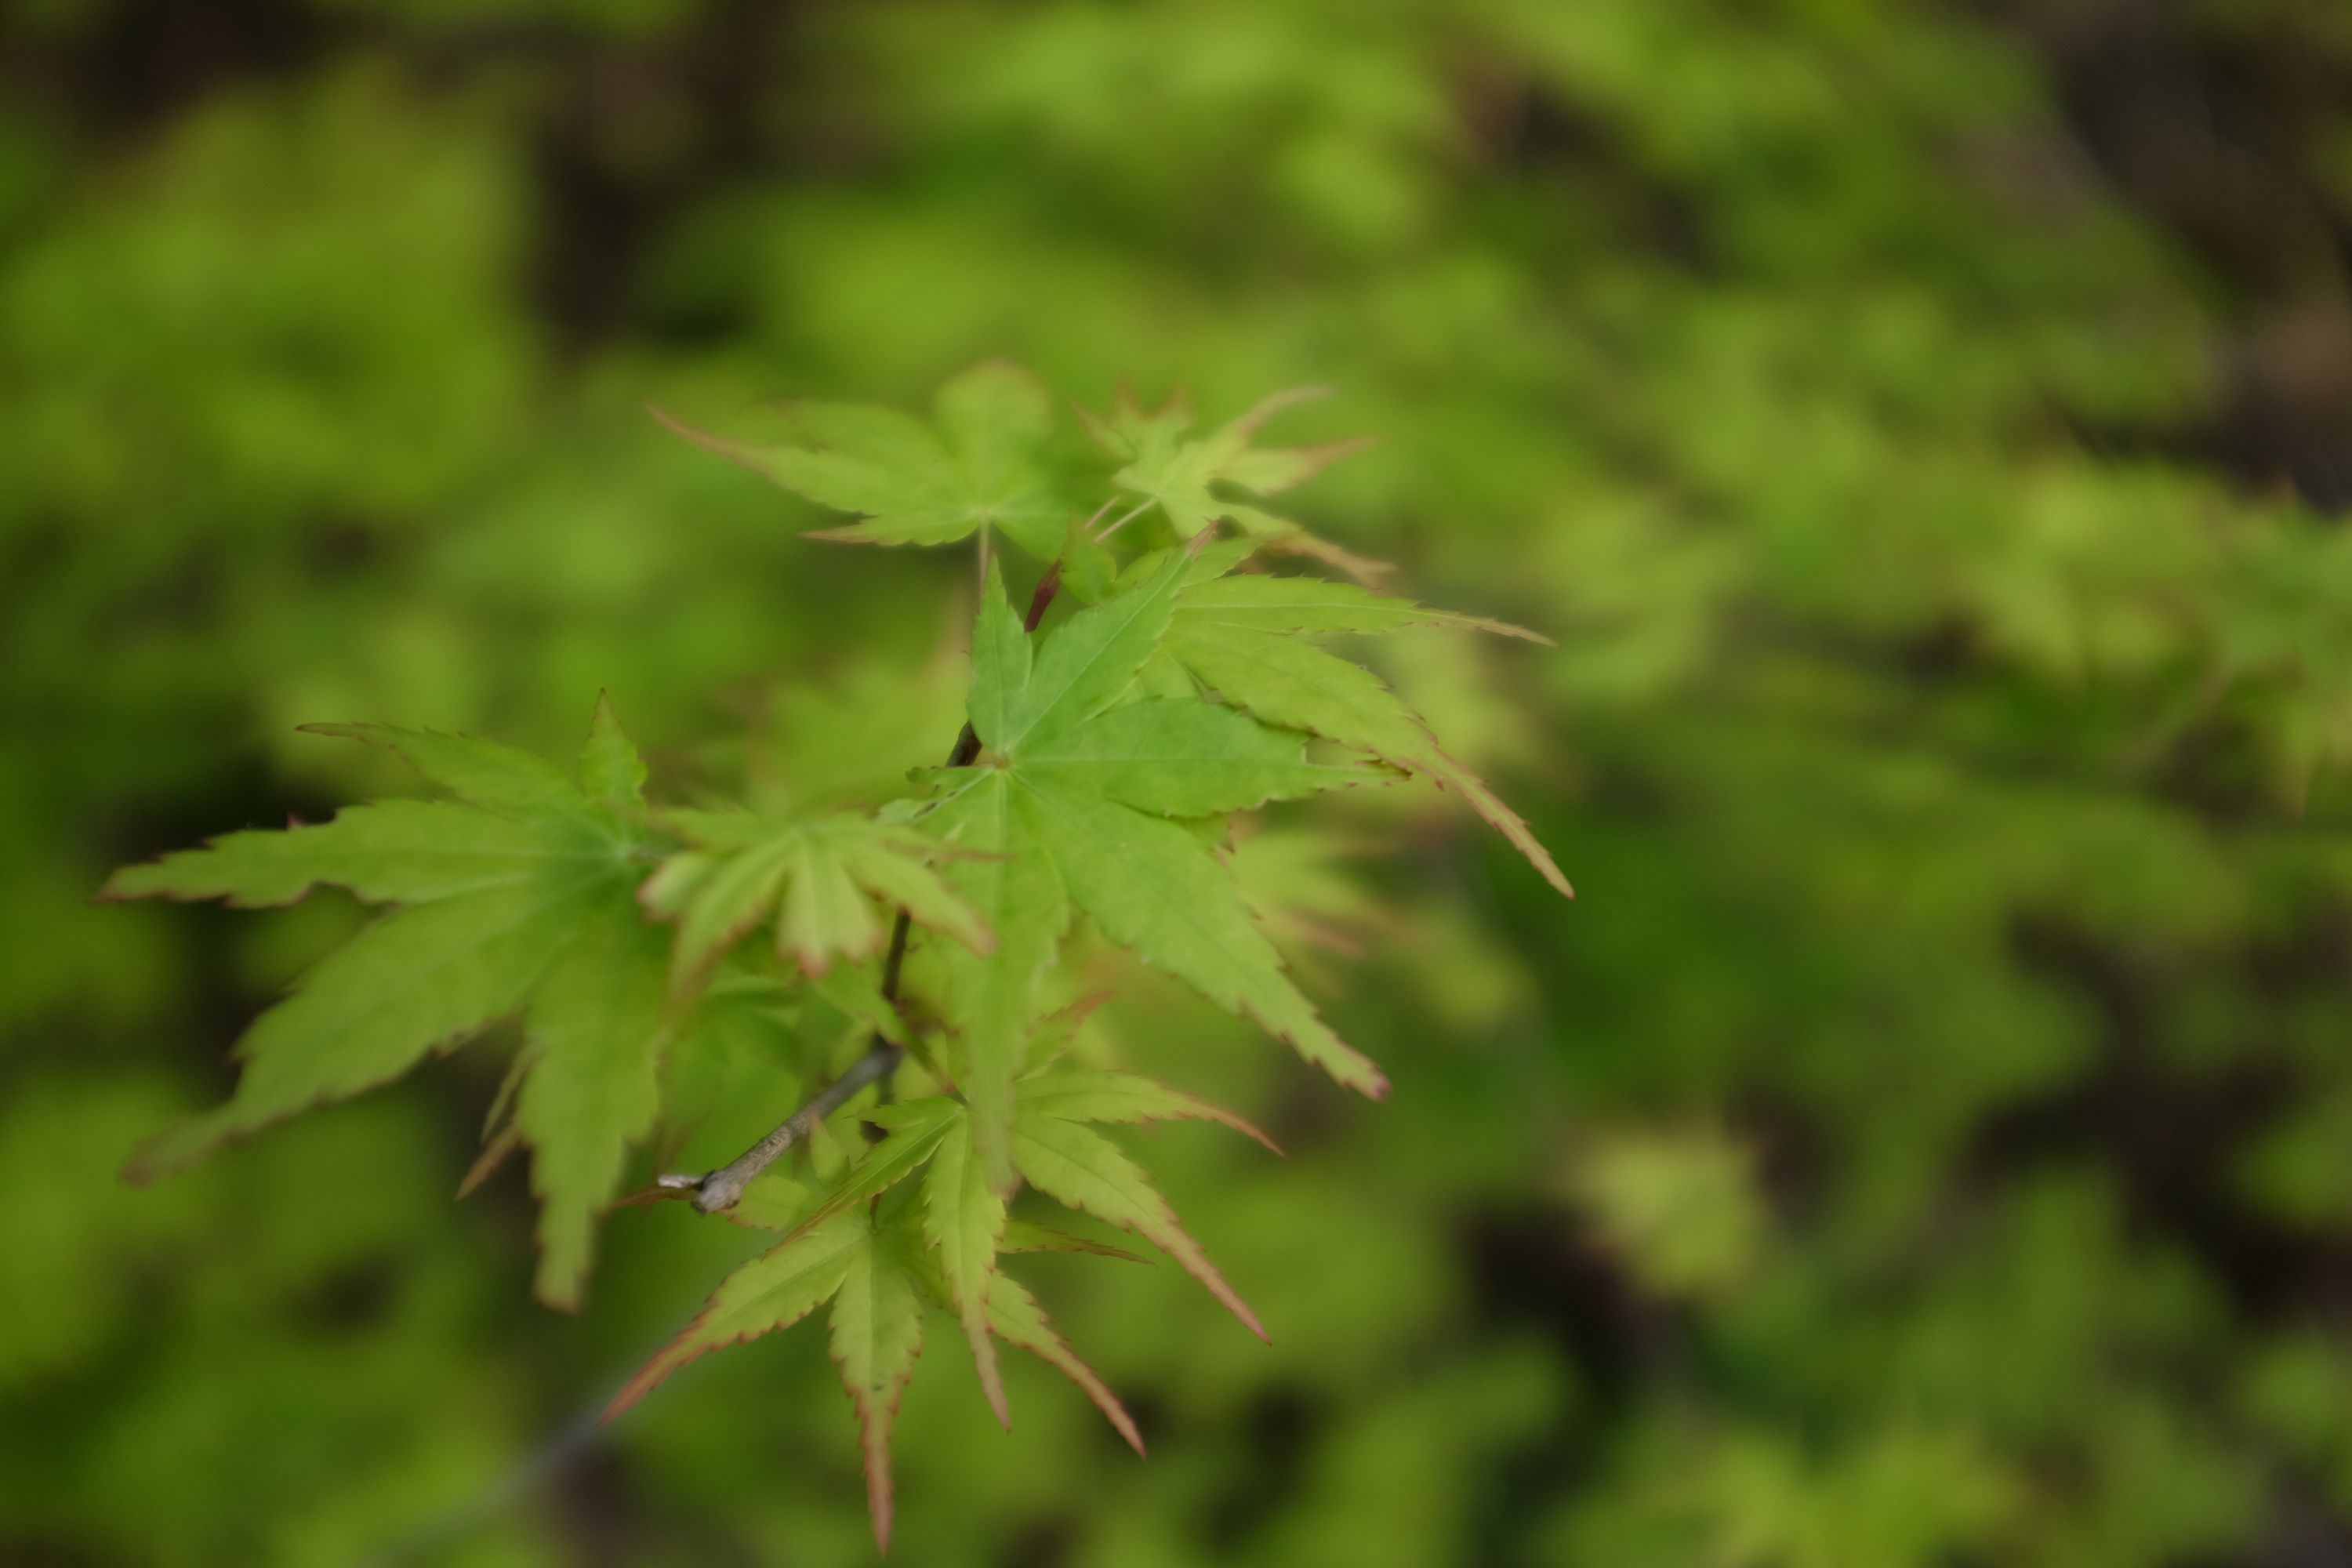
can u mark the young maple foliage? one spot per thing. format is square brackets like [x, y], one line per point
[1102, 762]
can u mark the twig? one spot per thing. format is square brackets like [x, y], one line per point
[719, 1189]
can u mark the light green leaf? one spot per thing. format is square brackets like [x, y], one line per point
[1287, 681]
[855, 991]
[497, 778]
[991, 1003]
[915, 1130]
[773, 1201]
[1164, 680]
[1270, 531]
[1184, 759]
[1310, 605]
[717, 899]
[773, 1291]
[1177, 474]
[1089, 568]
[1077, 1096]
[819, 879]
[1084, 664]
[913, 485]
[877, 1333]
[1028, 1236]
[875, 1278]
[1016, 1318]
[523, 904]
[886, 867]
[1210, 561]
[729, 828]
[736, 1044]
[611, 772]
[914, 1115]
[1056, 1029]
[594, 1034]
[995, 416]
[1000, 661]
[1292, 683]
[825, 913]
[418, 980]
[398, 851]
[1081, 1168]
[1152, 887]
[963, 1218]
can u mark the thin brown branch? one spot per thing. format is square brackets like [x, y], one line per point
[720, 1189]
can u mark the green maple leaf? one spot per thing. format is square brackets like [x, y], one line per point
[1262, 603]
[1183, 758]
[1015, 1317]
[877, 1333]
[1180, 477]
[1081, 1169]
[1073, 806]
[869, 1267]
[963, 1213]
[855, 993]
[964, 1219]
[976, 470]
[874, 1269]
[1150, 886]
[1287, 680]
[819, 879]
[1248, 640]
[1079, 1095]
[962, 1209]
[595, 1031]
[1056, 1031]
[737, 1043]
[964, 1225]
[913, 1132]
[993, 1003]
[1028, 1236]
[516, 897]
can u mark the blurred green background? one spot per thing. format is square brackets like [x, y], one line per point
[1927, 1140]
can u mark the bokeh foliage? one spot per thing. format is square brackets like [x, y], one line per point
[1925, 1140]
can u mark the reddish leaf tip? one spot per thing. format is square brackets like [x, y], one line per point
[160, 1157]
[1207, 1275]
[879, 1500]
[992, 1375]
[647, 1378]
[621, 1403]
[494, 1153]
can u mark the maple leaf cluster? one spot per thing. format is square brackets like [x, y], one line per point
[1103, 759]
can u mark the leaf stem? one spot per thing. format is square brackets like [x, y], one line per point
[717, 1190]
[1125, 518]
